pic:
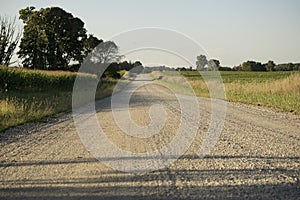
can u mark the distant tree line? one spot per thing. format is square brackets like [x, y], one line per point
[203, 64]
[269, 66]
[158, 68]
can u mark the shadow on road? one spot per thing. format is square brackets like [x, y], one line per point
[127, 186]
[283, 191]
[191, 157]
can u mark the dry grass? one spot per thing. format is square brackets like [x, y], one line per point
[280, 90]
[288, 86]
[283, 94]
[19, 108]
[31, 95]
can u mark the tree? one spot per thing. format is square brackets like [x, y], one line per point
[90, 43]
[101, 60]
[253, 66]
[9, 38]
[201, 62]
[270, 65]
[137, 64]
[296, 66]
[213, 65]
[125, 65]
[52, 38]
[226, 69]
[282, 67]
[106, 53]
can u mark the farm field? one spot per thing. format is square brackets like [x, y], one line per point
[32, 95]
[280, 90]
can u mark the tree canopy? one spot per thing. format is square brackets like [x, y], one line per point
[213, 65]
[53, 38]
[201, 62]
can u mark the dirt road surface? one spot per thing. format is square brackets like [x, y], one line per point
[257, 156]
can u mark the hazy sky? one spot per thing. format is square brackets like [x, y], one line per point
[232, 31]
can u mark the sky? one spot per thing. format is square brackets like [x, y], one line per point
[232, 31]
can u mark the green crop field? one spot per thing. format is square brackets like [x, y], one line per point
[279, 90]
[241, 76]
[31, 95]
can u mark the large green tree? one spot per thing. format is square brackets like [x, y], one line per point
[53, 38]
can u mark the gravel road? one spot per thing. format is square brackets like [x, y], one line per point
[257, 156]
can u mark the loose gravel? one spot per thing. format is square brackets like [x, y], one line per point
[257, 156]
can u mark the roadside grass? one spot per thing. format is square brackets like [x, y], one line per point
[33, 95]
[279, 90]
[17, 107]
[283, 94]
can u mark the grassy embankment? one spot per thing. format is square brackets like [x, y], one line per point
[279, 90]
[31, 95]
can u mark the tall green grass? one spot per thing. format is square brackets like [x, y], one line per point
[31, 95]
